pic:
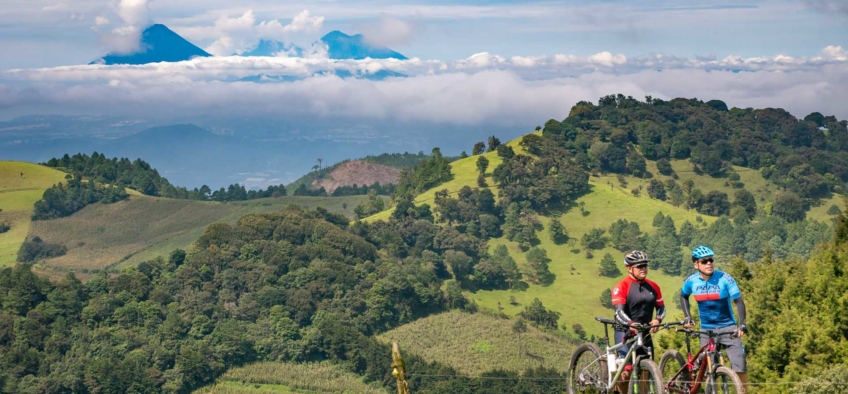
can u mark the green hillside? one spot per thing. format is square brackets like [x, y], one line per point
[112, 236]
[269, 377]
[478, 343]
[573, 293]
[577, 285]
[17, 196]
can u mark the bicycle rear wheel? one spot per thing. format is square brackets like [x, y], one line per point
[647, 379]
[725, 382]
[587, 372]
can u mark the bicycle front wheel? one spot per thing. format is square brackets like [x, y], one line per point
[647, 379]
[725, 382]
[670, 364]
[587, 372]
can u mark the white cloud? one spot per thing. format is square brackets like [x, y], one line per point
[607, 59]
[482, 89]
[304, 22]
[134, 12]
[126, 38]
[54, 7]
[832, 52]
[387, 31]
[237, 34]
[479, 60]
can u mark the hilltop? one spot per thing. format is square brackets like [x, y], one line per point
[357, 172]
[398, 161]
[18, 193]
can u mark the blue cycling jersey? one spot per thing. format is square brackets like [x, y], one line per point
[715, 298]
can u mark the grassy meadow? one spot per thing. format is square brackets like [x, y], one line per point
[476, 343]
[113, 236]
[17, 196]
[576, 289]
[271, 377]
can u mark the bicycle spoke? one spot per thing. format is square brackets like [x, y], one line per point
[587, 372]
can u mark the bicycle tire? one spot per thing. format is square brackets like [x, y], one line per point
[595, 355]
[655, 378]
[670, 363]
[732, 379]
[668, 357]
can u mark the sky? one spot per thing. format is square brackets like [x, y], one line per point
[471, 62]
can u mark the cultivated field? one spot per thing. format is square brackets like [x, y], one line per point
[476, 343]
[275, 378]
[112, 236]
[17, 196]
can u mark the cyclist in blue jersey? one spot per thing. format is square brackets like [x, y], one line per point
[715, 292]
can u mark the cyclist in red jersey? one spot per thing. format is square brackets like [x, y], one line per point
[635, 298]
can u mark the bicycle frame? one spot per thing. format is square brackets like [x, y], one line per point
[631, 353]
[711, 353]
[611, 355]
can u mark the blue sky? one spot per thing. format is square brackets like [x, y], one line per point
[46, 33]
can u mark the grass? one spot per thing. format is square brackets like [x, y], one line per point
[117, 235]
[271, 377]
[17, 196]
[476, 343]
[577, 287]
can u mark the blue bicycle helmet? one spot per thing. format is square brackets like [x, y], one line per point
[701, 251]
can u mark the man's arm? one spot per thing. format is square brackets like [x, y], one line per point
[620, 316]
[684, 302]
[736, 296]
[660, 304]
[740, 305]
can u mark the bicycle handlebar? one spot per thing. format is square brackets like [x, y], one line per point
[708, 333]
[637, 326]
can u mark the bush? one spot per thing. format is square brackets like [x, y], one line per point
[606, 299]
[664, 167]
[36, 249]
[4, 227]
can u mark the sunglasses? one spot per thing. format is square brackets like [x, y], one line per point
[706, 261]
[640, 266]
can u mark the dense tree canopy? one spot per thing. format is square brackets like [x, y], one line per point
[807, 156]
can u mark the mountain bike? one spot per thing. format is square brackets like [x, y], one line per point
[705, 366]
[588, 370]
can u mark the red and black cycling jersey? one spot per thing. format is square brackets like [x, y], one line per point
[634, 301]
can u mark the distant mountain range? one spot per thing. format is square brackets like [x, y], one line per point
[375, 76]
[161, 44]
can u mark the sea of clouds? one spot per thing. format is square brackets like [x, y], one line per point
[482, 88]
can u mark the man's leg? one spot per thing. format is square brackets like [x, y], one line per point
[736, 353]
[621, 385]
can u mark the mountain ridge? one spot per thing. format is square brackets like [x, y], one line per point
[161, 44]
